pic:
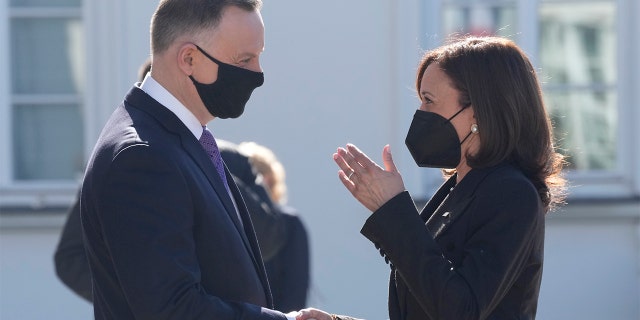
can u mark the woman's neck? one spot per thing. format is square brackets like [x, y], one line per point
[462, 169]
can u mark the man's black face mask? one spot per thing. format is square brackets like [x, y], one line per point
[228, 95]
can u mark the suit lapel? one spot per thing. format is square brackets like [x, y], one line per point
[245, 227]
[451, 209]
[250, 243]
[437, 199]
[194, 148]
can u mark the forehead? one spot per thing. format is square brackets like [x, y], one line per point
[434, 79]
[241, 29]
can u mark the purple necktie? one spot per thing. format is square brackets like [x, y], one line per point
[211, 147]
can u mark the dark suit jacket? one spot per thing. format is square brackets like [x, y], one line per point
[280, 232]
[162, 236]
[479, 256]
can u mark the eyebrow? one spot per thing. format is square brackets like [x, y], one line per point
[250, 53]
[246, 55]
[426, 93]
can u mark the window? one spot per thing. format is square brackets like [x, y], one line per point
[45, 47]
[577, 57]
[579, 48]
[480, 18]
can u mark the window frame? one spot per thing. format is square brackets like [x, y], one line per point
[33, 194]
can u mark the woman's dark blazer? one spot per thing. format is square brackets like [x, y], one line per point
[475, 251]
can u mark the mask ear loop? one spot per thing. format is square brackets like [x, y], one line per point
[465, 138]
[453, 116]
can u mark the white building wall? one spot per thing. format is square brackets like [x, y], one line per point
[592, 263]
[335, 72]
[29, 288]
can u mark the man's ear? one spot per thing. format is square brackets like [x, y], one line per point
[187, 58]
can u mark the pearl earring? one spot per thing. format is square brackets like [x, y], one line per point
[474, 128]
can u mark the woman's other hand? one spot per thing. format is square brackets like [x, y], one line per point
[370, 184]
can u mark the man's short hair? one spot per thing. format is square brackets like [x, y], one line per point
[175, 18]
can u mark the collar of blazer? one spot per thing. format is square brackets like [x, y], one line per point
[138, 99]
[451, 200]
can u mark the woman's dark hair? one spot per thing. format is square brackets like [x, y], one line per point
[497, 79]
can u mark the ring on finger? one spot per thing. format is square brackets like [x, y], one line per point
[350, 174]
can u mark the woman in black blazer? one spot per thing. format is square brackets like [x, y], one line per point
[476, 249]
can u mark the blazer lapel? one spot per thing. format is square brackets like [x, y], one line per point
[195, 150]
[246, 226]
[250, 243]
[437, 199]
[451, 209]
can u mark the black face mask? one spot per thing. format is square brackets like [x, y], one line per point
[227, 96]
[433, 140]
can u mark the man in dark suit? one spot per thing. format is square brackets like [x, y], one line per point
[271, 226]
[166, 231]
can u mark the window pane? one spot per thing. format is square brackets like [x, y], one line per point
[585, 127]
[479, 19]
[578, 71]
[47, 142]
[578, 42]
[45, 3]
[46, 55]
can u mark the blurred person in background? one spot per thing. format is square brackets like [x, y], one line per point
[289, 269]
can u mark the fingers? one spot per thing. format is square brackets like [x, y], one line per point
[345, 173]
[387, 159]
[359, 157]
[345, 169]
[352, 160]
[369, 183]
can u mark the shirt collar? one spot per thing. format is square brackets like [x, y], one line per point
[156, 91]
